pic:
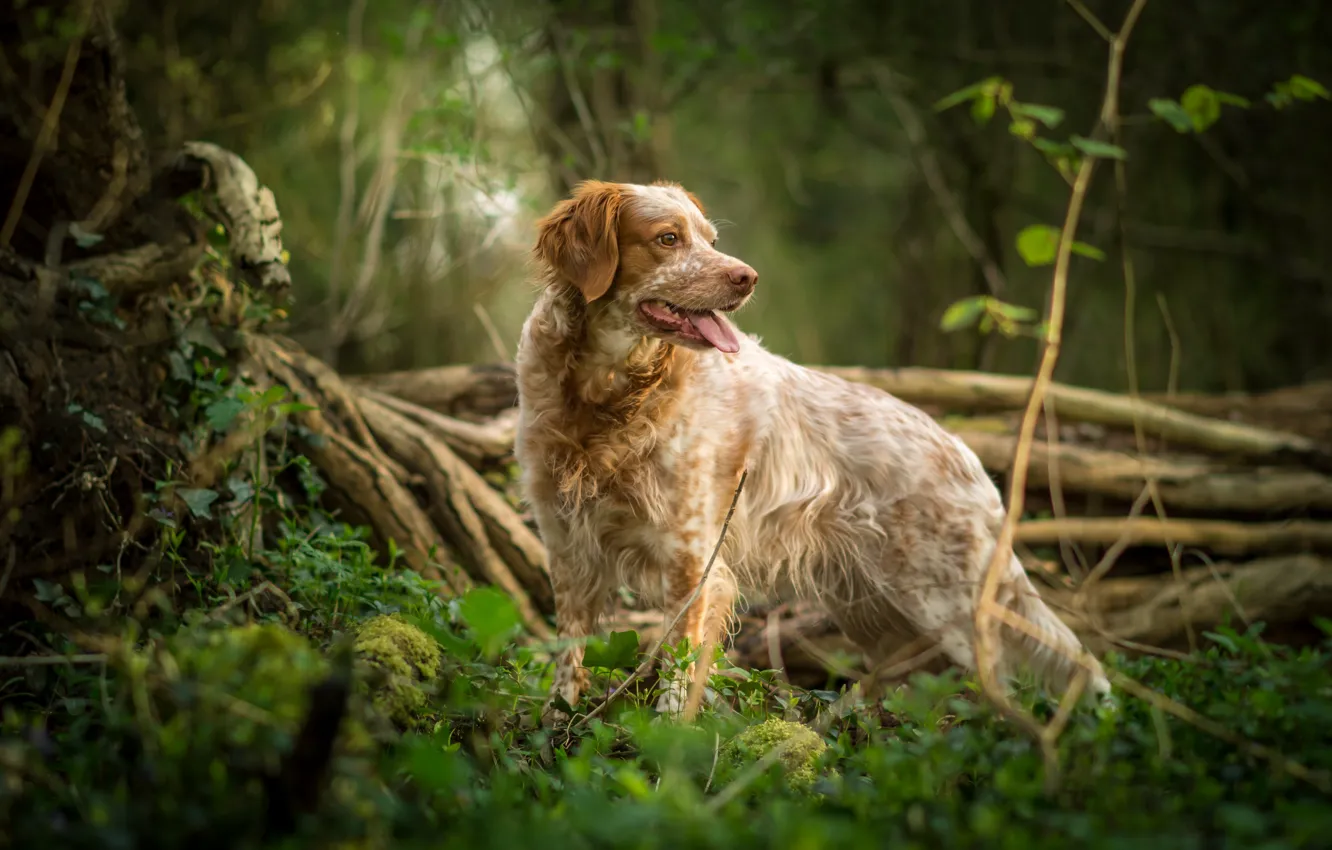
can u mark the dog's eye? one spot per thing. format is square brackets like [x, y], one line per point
[714, 243]
[668, 239]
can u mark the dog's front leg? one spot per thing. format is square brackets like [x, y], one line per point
[703, 623]
[578, 607]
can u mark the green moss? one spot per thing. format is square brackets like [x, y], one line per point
[401, 658]
[803, 747]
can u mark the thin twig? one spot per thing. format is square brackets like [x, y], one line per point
[716, 752]
[1087, 15]
[496, 341]
[651, 658]
[50, 123]
[1003, 550]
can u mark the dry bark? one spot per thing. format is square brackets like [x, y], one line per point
[978, 391]
[1196, 484]
[1224, 538]
[454, 489]
[480, 391]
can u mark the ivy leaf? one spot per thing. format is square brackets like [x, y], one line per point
[620, 650]
[1037, 244]
[963, 314]
[492, 617]
[199, 501]
[1172, 113]
[1104, 150]
[221, 413]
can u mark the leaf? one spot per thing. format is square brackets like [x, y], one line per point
[963, 314]
[1104, 150]
[1304, 88]
[1050, 116]
[1172, 113]
[619, 650]
[1037, 244]
[1088, 251]
[221, 413]
[1012, 312]
[966, 93]
[198, 500]
[1202, 105]
[47, 591]
[1023, 128]
[492, 617]
[273, 395]
[982, 108]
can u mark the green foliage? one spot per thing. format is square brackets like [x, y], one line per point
[988, 313]
[619, 649]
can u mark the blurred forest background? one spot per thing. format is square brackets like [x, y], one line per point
[412, 144]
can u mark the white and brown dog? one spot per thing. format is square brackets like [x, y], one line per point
[641, 405]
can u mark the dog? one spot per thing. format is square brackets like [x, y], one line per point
[641, 406]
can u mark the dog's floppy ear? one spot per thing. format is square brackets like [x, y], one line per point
[578, 238]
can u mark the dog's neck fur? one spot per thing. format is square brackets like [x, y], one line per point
[611, 365]
[602, 397]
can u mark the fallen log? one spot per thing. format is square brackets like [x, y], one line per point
[1194, 484]
[1225, 538]
[467, 392]
[479, 443]
[979, 390]
[485, 390]
[1305, 409]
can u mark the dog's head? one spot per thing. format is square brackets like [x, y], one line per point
[650, 253]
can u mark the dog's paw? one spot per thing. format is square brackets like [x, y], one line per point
[1103, 695]
[672, 701]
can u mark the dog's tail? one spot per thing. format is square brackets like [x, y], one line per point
[1054, 652]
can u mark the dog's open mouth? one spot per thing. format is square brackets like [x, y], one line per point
[702, 327]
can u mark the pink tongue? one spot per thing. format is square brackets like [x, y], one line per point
[715, 331]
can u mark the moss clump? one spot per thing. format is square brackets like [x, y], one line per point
[401, 659]
[799, 758]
